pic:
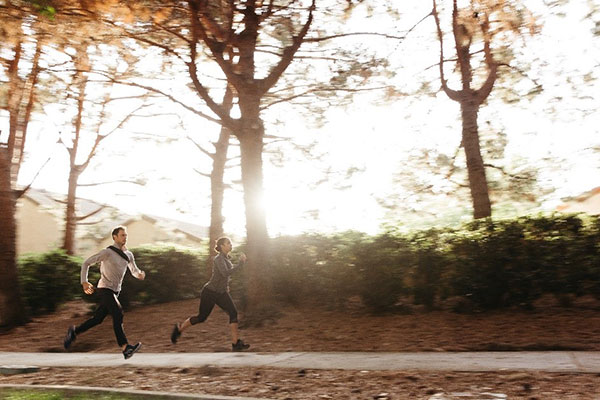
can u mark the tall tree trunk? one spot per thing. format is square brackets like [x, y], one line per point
[11, 306]
[476, 170]
[470, 100]
[251, 147]
[234, 51]
[70, 215]
[12, 311]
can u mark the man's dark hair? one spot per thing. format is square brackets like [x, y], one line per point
[115, 231]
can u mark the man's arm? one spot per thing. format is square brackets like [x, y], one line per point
[88, 288]
[133, 268]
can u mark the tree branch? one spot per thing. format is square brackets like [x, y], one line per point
[201, 173]
[317, 90]
[501, 169]
[202, 149]
[142, 39]
[99, 137]
[198, 33]
[288, 53]
[340, 35]
[488, 85]
[452, 166]
[160, 92]
[83, 217]
[110, 182]
[454, 95]
[21, 192]
[521, 72]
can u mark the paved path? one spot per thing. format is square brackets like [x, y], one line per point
[556, 361]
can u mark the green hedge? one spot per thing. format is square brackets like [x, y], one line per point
[490, 264]
[485, 264]
[313, 268]
[50, 279]
[47, 280]
[513, 262]
[171, 274]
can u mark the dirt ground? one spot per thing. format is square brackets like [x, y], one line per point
[310, 329]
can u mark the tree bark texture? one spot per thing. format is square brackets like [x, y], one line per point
[11, 306]
[217, 191]
[217, 186]
[475, 168]
[75, 170]
[70, 213]
[470, 100]
[21, 99]
[231, 34]
[251, 142]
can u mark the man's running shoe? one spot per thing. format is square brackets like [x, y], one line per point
[70, 338]
[131, 349]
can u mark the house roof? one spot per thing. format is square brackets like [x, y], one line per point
[585, 197]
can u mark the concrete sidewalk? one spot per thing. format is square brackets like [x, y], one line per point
[556, 361]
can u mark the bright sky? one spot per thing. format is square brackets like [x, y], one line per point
[371, 138]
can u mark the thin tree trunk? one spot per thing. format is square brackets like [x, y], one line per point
[476, 170]
[217, 186]
[11, 306]
[15, 95]
[470, 101]
[74, 169]
[24, 113]
[70, 215]
[217, 191]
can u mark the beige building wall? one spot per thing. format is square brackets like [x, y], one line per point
[38, 230]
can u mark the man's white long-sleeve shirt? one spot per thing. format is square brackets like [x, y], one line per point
[112, 268]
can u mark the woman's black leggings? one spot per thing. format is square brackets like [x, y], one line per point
[208, 299]
[109, 304]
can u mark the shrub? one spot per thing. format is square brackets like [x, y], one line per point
[491, 263]
[171, 274]
[48, 279]
[383, 264]
[489, 267]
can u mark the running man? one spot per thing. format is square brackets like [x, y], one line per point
[114, 261]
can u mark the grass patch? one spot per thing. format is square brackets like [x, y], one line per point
[50, 394]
